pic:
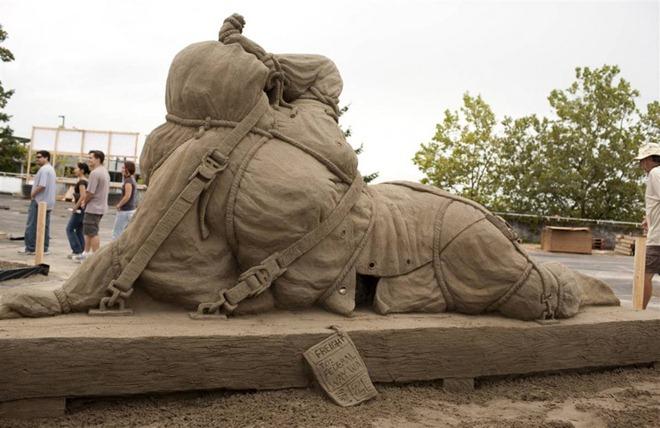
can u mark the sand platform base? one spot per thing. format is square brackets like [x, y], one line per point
[44, 361]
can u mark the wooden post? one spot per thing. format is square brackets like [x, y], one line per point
[136, 143]
[82, 146]
[639, 271]
[57, 141]
[109, 152]
[41, 232]
[29, 157]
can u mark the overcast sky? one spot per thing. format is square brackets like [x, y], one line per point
[103, 64]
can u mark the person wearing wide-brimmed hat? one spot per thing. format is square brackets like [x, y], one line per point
[649, 158]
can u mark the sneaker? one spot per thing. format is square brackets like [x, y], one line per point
[46, 253]
[72, 256]
[26, 252]
[79, 258]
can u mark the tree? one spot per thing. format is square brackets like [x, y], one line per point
[12, 150]
[521, 177]
[590, 145]
[347, 133]
[461, 156]
[577, 163]
[650, 123]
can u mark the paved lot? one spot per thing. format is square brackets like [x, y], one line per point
[13, 213]
[615, 270]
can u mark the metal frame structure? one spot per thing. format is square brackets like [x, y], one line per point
[85, 145]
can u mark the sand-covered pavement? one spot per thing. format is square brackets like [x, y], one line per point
[619, 398]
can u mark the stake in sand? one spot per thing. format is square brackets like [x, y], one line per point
[41, 232]
[639, 271]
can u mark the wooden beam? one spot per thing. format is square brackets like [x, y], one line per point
[165, 351]
[109, 152]
[41, 232]
[82, 147]
[29, 157]
[54, 152]
[96, 131]
[33, 408]
[458, 384]
[639, 272]
[135, 145]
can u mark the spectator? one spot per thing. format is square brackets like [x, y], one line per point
[95, 203]
[74, 229]
[127, 204]
[43, 190]
[649, 160]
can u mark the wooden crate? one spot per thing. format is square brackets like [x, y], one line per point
[566, 239]
[625, 245]
[598, 244]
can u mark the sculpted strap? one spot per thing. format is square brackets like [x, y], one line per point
[258, 278]
[212, 163]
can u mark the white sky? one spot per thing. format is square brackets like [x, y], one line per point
[103, 64]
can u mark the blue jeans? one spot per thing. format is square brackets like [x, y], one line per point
[74, 231]
[31, 228]
[121, 222]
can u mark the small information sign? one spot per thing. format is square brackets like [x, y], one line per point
[340, 371]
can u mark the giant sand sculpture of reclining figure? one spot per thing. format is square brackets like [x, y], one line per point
[254, 201]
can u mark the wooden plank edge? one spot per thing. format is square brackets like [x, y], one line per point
[106, 366]
[33, 408]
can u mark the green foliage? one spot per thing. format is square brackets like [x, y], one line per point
[578, 163]
[12, 151]
[5, 54]
[650, 123]
[521, 177]
[591, 144]
[370, 177]
[460, 156]
[347, 133]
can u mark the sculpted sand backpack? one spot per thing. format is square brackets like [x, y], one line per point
[254, 200]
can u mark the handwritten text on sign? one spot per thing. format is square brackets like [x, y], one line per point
[340, 371]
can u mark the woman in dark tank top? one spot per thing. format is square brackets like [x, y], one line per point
[74, 229]
[128, 202]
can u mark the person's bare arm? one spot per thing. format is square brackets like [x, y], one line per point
[88, 197]
[36, 190]
[83, 193]
[127, 195]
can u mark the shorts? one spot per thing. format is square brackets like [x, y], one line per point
[653, 259]
[91, 224]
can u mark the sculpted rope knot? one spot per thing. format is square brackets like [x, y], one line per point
[232, 25]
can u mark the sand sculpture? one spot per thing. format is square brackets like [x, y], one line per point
[254, 201]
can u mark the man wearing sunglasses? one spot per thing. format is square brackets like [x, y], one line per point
[43, 190]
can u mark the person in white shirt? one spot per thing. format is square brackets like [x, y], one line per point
[649, 159]
[43, 190]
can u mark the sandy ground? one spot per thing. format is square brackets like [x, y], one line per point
[619, 398]
[627, 397]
